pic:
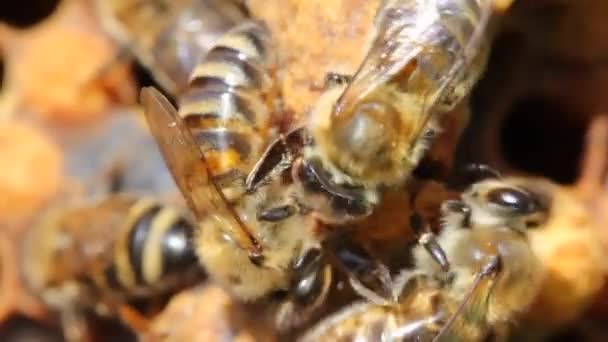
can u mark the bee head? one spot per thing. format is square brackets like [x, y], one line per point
[500, 202]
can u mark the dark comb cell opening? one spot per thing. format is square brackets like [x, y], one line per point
[540, 137]
[23, 14]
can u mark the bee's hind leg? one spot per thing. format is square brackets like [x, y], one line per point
[368, 277]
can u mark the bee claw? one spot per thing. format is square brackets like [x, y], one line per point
[428, 240]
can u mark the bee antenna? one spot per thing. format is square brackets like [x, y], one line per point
[492, 267]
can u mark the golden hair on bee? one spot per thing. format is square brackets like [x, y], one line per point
[494, 220]
[123, 245]
[228, 104]
[169, 37]
[493, 275]
[97, 256]
[253, 238]
[423, 59]
[379, 147]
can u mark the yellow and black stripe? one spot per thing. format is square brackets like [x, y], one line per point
[154, 250]
[120, 248]
[227, 105]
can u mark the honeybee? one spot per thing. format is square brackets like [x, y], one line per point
[169, 37]
[493, 275]
[256, 242]
[370, 130]
[98, 257]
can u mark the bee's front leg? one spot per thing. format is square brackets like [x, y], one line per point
[368, 277]
[309, 286]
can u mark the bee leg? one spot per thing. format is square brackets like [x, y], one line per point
[273, 161]
[367, 276]
[471, 173]
[476, 295]
[404, 277]
[308, 290]
[428, 240]
[278, 157]
[379, 278]
[452, 208]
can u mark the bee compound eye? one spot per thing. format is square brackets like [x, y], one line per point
[513, 199]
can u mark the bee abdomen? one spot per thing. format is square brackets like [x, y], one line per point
[233, 67]
[460, 17]
[155, 249]
[226, 105]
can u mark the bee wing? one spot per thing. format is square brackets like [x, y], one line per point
[194, 31]
[477, 306]
[169, 36]
[393, 46]
[343, 324]
[190, 170]
[474, 303]
[473, 44]
[409, 34]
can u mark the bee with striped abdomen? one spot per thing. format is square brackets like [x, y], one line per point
[494, 274]
[169, 37]
[254, 241]
[98, 257]
[229, 104]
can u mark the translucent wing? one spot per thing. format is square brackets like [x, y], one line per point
[191, 35]
[398, 29]
[458, 18]
[473, 314]
[190, 170]
[421, 45]
[169, 36]
[408, 320]
[472, 311]
[344, 324]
